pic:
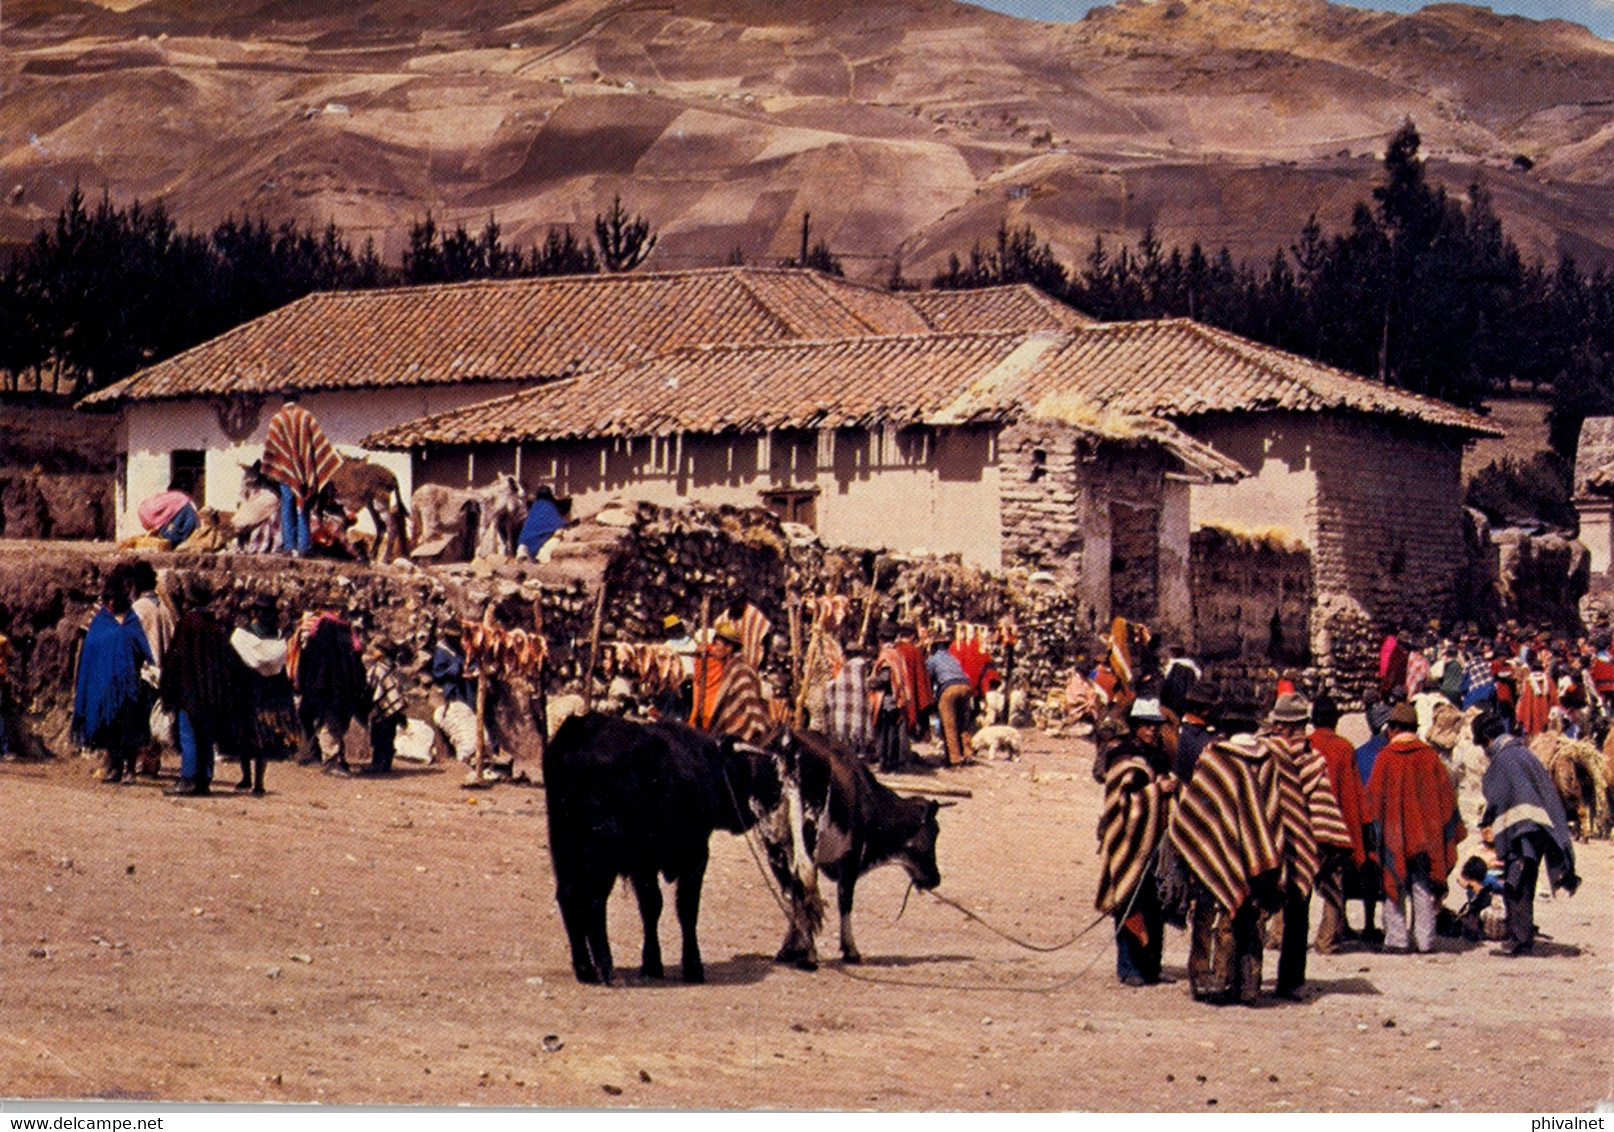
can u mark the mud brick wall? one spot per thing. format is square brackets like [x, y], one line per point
[1389, 520]
[56, 473]
[63, 505]
[1044, 499]
[47, 596]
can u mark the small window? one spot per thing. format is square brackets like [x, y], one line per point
[1039, 464]
[799, 505]
[187, 472]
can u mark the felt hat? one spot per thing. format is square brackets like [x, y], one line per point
[728, 631]
[1291, 707]
[1403, 714]
[1109, 729]
[1146, 709]
[1324, 711]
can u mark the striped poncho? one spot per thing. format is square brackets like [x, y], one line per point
[1308, 809]
[296, 453]
[1226, 825]
[1521, 802]
[1129, 830]
[730, 702]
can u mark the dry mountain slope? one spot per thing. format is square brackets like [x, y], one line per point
[907, 128]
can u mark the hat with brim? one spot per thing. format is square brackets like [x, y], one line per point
[1146, 709]
[728, 631]
[1403, 714]
[1291, 707]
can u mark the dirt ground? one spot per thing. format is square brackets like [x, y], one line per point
[397, 941]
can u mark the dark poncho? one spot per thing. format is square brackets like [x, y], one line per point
[1522, 805]
[274, 731]
[111, 709]
[203, 677]
[330, 677]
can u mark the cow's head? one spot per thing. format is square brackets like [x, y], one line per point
[918, 853]
[752, 778]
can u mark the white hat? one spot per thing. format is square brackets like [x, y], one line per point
[1146, 709]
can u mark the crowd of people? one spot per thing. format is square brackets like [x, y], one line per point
[921, 684]
[160, 669]
[1226, 821]
[291, 504]
[1218, 819]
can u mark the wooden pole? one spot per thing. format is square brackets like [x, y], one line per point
[931, 791]
[482, 674]
[868, 611]
[540, 691]
[701, 663]
[793, 608]
[593, 648]
[814, 647]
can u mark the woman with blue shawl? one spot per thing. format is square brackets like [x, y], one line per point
[547, 517]
[111, 705]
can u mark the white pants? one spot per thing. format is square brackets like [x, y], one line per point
[330, 743]
[1423, 917]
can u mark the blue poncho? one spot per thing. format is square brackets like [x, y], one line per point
[542, 521]
[110, 705]
[1522, 805]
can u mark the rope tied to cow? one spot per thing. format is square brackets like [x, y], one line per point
[970, 914]
[1050, 988]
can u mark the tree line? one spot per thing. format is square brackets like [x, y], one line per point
[108, 290]
[1422, 290]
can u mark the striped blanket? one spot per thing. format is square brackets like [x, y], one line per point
[754, 629]
[1129, 829]
[1226, 825]
[296, 453]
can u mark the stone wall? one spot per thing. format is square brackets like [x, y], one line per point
[652, 562]
[1044, 499]
[1101, 518]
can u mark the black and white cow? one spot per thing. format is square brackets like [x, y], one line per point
[839, 819]
[641, 801]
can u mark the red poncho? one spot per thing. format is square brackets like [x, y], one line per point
[918, 681]
[1412, 805]
[1346, 780]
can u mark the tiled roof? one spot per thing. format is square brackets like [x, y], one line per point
[1017, 307]
[744, 388]
[1109, 379]
[1177, 368]
[939, 379]
[513, 330]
